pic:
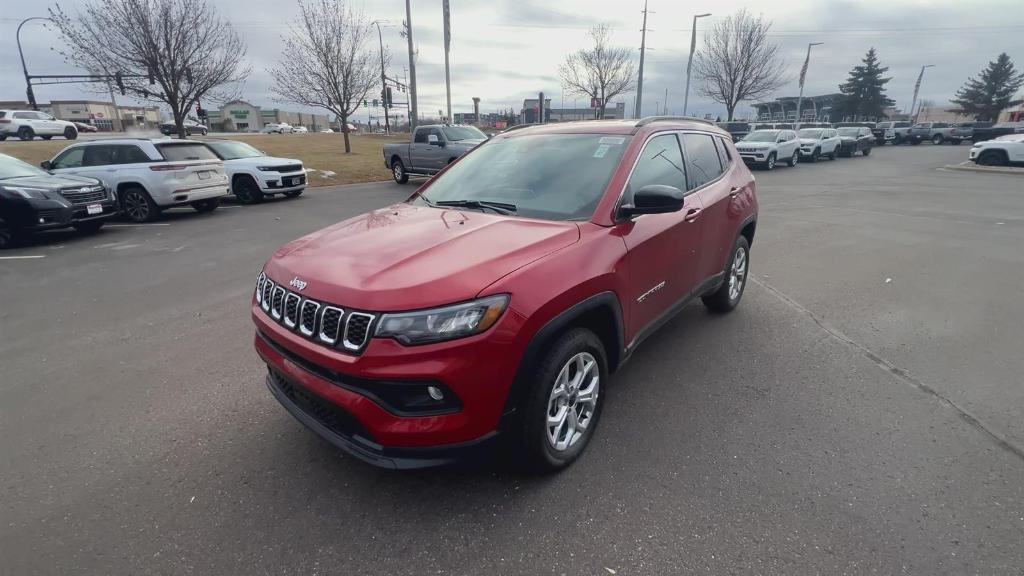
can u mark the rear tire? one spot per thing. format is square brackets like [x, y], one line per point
[26, 134]
[915, 141]
[8, 236]
[138, 206]
[294, 193]
[208, 205]
[88, 227]
[70, 133]
[897, 140]
[727, 296]
[247, 190]
[398, 171]
[576, 364]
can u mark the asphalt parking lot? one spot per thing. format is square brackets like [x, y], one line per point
[861, 412]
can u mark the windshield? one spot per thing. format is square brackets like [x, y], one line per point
[810, 133]
[531, 172]
[231, 150]
[14, 168]
[848, 131]
[761, 136]
[456, 133]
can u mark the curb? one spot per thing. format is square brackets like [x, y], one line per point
[971, 167]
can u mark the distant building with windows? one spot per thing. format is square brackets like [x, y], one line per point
[812, 109]
[96, 112]
[242, 116]
[529, 113]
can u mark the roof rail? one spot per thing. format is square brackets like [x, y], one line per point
[651, 119]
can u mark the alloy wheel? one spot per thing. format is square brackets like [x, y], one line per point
[737, 273]
[397, 171]
[573, 401]
[136, 206]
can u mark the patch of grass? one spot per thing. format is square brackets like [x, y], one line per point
[320, 152]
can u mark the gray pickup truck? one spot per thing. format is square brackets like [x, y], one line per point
[432, 148]
[937, 132]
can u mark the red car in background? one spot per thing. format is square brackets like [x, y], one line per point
[495, 302]
[82, 127]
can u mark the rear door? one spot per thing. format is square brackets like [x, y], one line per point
[662, 248]
[709, 173]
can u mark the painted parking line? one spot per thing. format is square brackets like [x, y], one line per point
[32, 257]
[137, 225]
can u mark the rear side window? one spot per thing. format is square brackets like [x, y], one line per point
[131, 155]
[660, 162]
[703, 164]
[98, 156]
[421, 136]
[723, 153]
[25, 115]
[179, 152]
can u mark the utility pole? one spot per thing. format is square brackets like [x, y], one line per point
[447, 48]
[540, 108]
[664, 108]
[917, 87]
[29, 93]
[640, 74]
[117, 113]
[413, 116]
[689, 63]
[383, 78]
[803, 74]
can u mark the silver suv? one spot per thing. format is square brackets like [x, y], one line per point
[148, 175]
[766, 147]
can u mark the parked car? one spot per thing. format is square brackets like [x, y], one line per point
[962, 131]
[817, 142]
[982, 133]
[300, 130]
[735, 129]
[870, 125]
[1003, 151]
[767, 147]
[83, 127]
[853, 140]
[27, 124]
[497, 299]
[191, 127]
[937, 132]
[894, 132]
[148, 176]
[275, 128]
[432, 148]
[326, 131]
[33, 200]
[254, 175]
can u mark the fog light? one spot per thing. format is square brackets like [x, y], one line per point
[42, 220]
[435, 392]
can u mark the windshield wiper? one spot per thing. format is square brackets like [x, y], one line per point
[499, 207]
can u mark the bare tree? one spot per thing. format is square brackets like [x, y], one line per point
[170, 51]
[738, 62]
[601, 72]
[325, 62]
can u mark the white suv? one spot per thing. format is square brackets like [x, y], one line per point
[1003, 151]
[817, 142]
[766, 147]
[148, 175]
[254, 175]
[282, 128]
[27, 124]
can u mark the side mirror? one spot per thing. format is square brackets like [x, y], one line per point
[45, 165]
[431, 139]
[654, 199]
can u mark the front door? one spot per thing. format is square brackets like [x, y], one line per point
[661, 248]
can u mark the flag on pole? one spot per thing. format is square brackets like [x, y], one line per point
[447, 27]
[803, 71]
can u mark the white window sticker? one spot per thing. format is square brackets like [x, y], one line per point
[616, 140]
[601, 151]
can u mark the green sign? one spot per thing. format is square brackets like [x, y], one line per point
[240, 114]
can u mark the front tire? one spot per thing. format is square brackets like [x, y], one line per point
[138, 206]
[866, 151]
[794, 159]
[937, 139]
[247, 190]
[993, 158]
[770, 162]
[8, 236]
[563, 406]
[398, 171]
[815, 155]
[208, 205]
[727, 296]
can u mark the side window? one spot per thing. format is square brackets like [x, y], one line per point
[661, 162]
[130, 155]
[420, 137]
[98, 156]
[69, 159]
[702, 161]
[437, 132]
[723, 153]
[941, 125]
[25, 115]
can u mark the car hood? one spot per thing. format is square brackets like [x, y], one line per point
[258, 161]
[809, 141]
[51, 182]
[753, 145]
[406, 257]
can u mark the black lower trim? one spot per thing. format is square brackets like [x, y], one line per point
[303, 405]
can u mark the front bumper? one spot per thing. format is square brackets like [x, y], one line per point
[754, 157]
[37, 214]
[972, 154]
[277, 182]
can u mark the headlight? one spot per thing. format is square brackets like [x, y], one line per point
[26, 192]
[266, 168]
[446, 323]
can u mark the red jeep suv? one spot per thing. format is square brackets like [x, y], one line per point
[497, 299]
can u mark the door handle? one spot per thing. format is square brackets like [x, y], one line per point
[734, 191]
[692, 214]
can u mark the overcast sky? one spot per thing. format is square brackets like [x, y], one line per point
[507, 50]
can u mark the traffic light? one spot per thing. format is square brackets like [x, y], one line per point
[374, 102]
[120, 82]
[388, 100]
[364, 103]
[383, 97]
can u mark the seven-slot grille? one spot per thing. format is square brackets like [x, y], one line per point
[85, 195]
[320, 322]
[285, 168]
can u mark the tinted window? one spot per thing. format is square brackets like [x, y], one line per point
[421, 136]
[69, 158]
[940, 125]
[530, 172]
[99, 156]
[25, 115]
[178, 152]
[723, 152]
[702, 160]
[130, 155]
[661, 162]
[435, 132]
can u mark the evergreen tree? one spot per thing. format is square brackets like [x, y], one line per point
[864, 91]
[992, 91]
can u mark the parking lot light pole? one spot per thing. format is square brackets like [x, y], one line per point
[917, 87]
[803, 75]
[689, 63]
[28, 81]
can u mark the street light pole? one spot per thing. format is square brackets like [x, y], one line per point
[413, 117]
[917, 87]
[640, 76]
[447, 48]
[383, 78]
[803, 74]
[689, 63]
[28, 81]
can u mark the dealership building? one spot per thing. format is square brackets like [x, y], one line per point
[528, 114]
[242, 116]
[812, 109]
[96, 112]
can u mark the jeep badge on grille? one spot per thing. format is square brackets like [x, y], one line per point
[297, 284]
